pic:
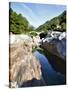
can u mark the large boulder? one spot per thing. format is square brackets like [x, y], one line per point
[24, 67]
[55, 42]
[19, 38]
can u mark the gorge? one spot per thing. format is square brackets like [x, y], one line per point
[37, 56]
[43, 66]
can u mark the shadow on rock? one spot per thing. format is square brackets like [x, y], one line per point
[33, 82]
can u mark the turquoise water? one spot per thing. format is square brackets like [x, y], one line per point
[50, 76]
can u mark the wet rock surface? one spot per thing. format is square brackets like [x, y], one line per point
[55, 42]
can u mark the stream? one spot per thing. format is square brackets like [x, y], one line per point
[51, 77]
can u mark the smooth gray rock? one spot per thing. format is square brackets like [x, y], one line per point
[55, 42]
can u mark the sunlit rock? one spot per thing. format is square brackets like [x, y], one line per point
[55, 42]
[24, 66]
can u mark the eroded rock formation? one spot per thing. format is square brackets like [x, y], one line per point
[24, 66]
[55, 42]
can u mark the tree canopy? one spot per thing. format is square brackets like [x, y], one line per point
[18, 23]
[57, 23]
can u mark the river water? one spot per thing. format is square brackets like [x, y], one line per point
[50, 76]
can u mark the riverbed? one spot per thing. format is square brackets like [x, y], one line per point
[50, 75]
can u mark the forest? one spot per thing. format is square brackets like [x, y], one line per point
[57, 24]
[19, 24]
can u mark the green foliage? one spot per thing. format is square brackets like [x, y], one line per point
[33, 33]
[34, 49]
[18, 23]
[53, 23]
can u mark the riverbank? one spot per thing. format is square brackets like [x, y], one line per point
[50, 75]
[24, 68]
[57, 63]
[27, 70]
[55, 43]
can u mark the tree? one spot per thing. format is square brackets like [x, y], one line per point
[18, 23]
[52, 24]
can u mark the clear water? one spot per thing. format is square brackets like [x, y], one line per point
[50, 76]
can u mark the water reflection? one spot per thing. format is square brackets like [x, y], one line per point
[50, 76]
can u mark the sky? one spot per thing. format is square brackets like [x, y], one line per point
[37, 14]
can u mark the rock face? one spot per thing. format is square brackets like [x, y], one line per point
[24, 38]
[19, 38]
[55, 42]
[23, 66]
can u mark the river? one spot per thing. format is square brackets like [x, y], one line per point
[49, 74]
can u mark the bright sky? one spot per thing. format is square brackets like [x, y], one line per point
[37, 14]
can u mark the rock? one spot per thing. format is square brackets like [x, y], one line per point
[24, 66]
[23, 38]
[62, 36]
[55, 42]
[36, 40]
[42, 35]
[19, 38]
[33, 82]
